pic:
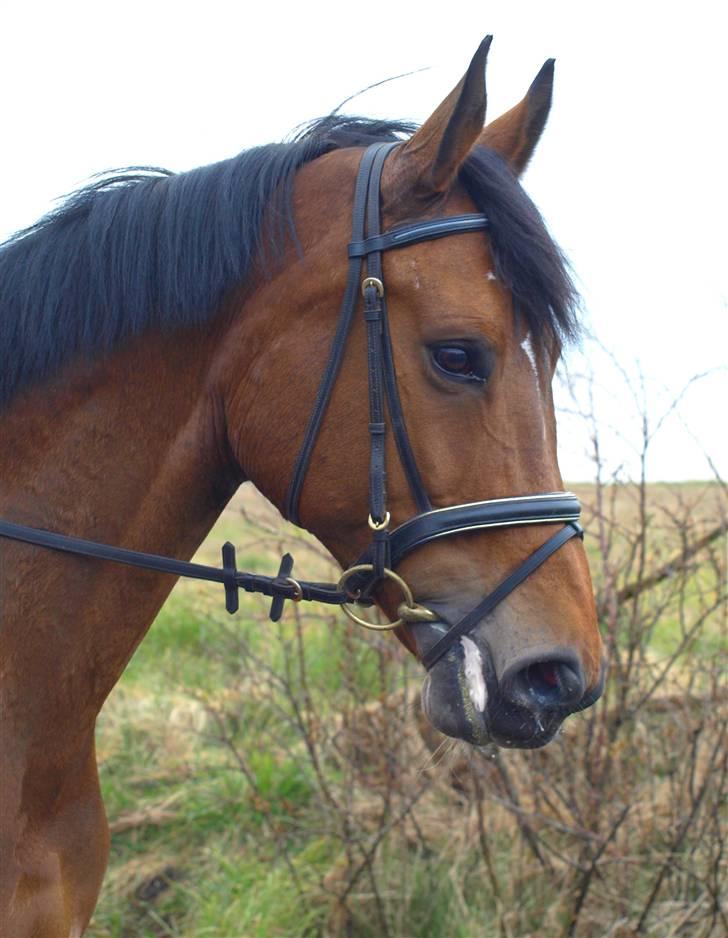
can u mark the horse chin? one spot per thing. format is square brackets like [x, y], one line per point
[460, 698]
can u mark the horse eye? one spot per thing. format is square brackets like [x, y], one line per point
[458, 362]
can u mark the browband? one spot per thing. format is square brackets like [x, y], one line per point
[420, 231]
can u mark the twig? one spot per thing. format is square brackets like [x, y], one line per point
[587, 877]
[669, 569]
[682, 831]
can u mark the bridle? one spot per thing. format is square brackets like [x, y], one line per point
[388, 548]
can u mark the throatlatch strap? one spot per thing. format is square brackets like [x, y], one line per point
[366, 221]
[484, 608]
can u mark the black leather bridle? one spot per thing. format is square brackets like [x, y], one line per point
[387, 549]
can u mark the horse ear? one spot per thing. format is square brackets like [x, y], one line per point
[515, 134]
[433, 155]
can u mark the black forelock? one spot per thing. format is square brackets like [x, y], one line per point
[527, 259]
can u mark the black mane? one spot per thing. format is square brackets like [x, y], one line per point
[146, 248]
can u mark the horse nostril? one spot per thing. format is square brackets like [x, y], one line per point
[543, 672]
[540, 685]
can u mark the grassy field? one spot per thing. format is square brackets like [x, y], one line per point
[265, 780]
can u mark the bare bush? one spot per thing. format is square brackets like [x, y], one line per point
[390, 829]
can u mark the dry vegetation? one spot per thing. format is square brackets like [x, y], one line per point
[280, 780]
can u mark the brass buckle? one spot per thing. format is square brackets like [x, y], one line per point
[409, 610]
[372, 282]
[379, 525]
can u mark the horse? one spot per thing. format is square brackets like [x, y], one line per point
[162, 339]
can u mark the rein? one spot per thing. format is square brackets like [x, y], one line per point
[387, 549]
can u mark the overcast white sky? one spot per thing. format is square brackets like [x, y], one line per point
[630, 174]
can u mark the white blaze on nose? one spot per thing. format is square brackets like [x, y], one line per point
[527, 346]
[473, 668]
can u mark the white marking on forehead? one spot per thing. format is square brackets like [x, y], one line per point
[527, 346]
[490, 276]
[473, 668]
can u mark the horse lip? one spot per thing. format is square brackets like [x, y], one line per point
[457, 714]
[457, 721]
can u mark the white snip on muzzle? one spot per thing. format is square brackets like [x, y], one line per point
[473, 669]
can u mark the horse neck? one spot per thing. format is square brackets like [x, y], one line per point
[128, 452]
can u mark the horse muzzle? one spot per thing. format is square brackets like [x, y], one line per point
[522, 707]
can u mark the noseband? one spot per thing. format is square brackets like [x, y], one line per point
[388, 548]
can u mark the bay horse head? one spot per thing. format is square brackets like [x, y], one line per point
[473, 333]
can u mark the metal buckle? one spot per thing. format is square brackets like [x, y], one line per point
[418, 613]
[379, 525]
[372, 282]
[297, 588]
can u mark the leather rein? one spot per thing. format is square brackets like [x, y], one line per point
[388, 548]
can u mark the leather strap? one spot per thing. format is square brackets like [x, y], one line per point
[420, 231]
[494, 513]
[374, 314]
[399, 429]
[336, 354]
[229, 576]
